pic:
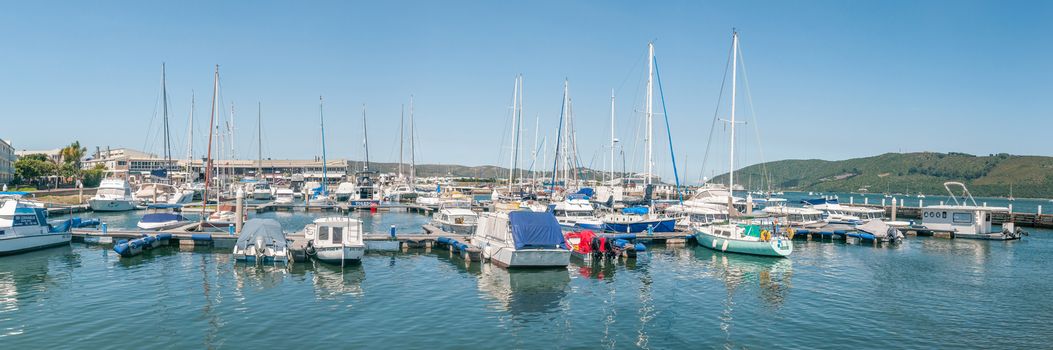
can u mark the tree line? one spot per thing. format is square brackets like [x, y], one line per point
[41, 171]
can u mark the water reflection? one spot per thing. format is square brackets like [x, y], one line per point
[259, 276]
[524, 291]
[333, 281]
[26, 278]
[771, 276]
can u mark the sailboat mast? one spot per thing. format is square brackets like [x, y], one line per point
[412, 145]
[208, 156]
[190, 138]
[164, 102]
[564, 136]
[259, 138]
[402, 121]
[325, 173]
[519, 127]
[515, 135]
[365, 137]
[533, 155]
[612, 135]
[648, 107]
[731, 155]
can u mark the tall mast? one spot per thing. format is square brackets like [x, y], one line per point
[612, 135]
[190, 138]
[731, 156]
[412, 145]
[259, 138]
[164, 98]
[402, 122]
[566, 128]
[515, 135]
[648, 107]
[208, 156]
[533, 155]
[325, 173]
[365, 137]
[519, 126]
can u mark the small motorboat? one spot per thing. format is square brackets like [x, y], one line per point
[262, 240]
[163, 216]
[335, 240]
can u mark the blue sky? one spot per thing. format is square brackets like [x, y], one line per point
[827, 79]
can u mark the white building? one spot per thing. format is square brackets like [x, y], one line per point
[7, 162]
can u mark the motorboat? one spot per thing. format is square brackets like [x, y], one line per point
[698, 215]
[344, 191]
[399, 192]
[284, 195]
[24, 226]
[225, 215]
[521, 239]
[262, 240]
[456, 217]
[163, 193]
[262, 191]
[836, 214]
[113, 195]
[575, 211]
[162, 216]
[365, 191]
[797, 217]
[335, 240]
[966, 219]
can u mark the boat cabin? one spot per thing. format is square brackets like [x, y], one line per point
[960, 219]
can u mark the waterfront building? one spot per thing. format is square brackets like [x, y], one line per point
[7, 162]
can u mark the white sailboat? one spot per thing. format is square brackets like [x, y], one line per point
[740, 236]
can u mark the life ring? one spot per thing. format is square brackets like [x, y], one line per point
[765, 235]
[791, 232]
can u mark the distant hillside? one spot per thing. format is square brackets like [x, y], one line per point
[483, 171]
[1030, 176]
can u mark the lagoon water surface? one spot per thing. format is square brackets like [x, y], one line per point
[924, 293]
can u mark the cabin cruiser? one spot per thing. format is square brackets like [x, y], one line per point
[335, 240]
[576, 211]
[837, 214]
[688, 217]
[365, 192]
[163, 193]
[162, 216]
[262, 240]
[24, 226]
[284, 195]
[797, 217]
[521, 239]
[262, 191]
[456, 217]
[966, 219]
[400, 191]
[113, 195]
[712, 196]
[344, 191]
[225, 215]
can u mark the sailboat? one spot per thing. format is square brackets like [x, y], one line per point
[741, 236]
[261, 190]
[643, 219]
[509, 200]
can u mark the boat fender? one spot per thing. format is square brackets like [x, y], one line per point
[201, 237]
[164, 236]
[839, 232]
[640, 247]
[121, 248]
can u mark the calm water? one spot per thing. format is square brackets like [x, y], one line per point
[925, 293]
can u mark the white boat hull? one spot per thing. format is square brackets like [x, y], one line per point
[262, 195]
[20, 244]
[111, 204]
[158, 226]
[334, 255]
[511, 258]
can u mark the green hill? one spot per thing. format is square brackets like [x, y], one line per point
[1030, 176]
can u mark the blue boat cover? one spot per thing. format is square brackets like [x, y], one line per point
[535, 230]
[160, 172]
[162, 217]
[635, 210]
[587, 191]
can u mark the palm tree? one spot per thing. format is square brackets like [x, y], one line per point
[73, 153]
